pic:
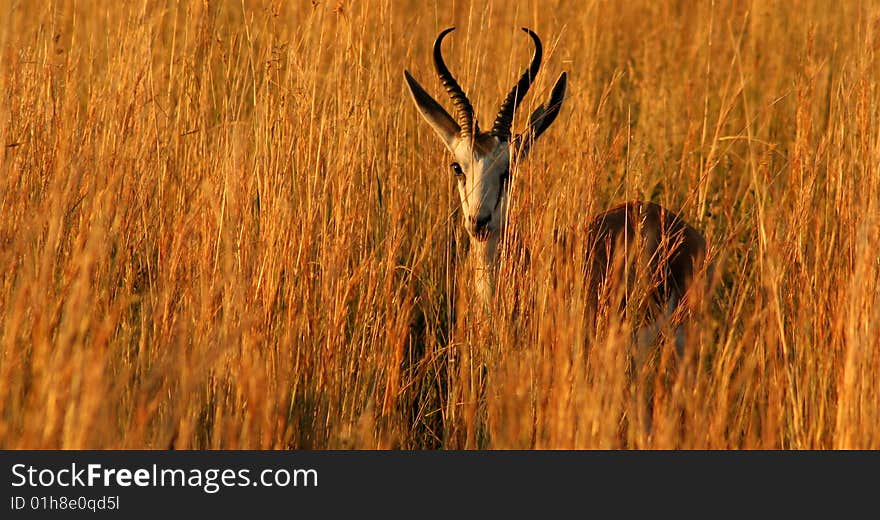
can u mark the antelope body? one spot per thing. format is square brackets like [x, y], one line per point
[664, 247]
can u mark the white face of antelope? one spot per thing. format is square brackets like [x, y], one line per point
[482, 176]
[482, 160]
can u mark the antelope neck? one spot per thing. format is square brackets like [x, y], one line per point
[484, 257]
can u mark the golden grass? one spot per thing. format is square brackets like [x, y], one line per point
[224, 225]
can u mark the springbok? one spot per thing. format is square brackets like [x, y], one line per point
[653, 238]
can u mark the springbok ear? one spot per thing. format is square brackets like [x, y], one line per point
[541, 118]
[434, 114]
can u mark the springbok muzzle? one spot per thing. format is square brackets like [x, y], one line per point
[479, 226]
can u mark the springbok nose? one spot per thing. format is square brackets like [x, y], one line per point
[479, 224]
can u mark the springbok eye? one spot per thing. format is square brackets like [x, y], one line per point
[456, 169]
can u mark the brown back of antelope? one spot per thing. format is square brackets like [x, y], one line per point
[641, 248]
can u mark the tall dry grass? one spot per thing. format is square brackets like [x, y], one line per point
[224, 225]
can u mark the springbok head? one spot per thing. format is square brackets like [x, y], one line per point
[483, 160]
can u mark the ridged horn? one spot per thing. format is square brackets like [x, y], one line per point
[464, 112]
[504, 119]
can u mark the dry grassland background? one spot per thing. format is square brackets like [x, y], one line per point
[225, 225]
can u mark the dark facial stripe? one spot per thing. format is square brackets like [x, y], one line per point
[503, 181]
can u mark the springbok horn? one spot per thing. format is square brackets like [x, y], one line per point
[504, 120]
[464, 112]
